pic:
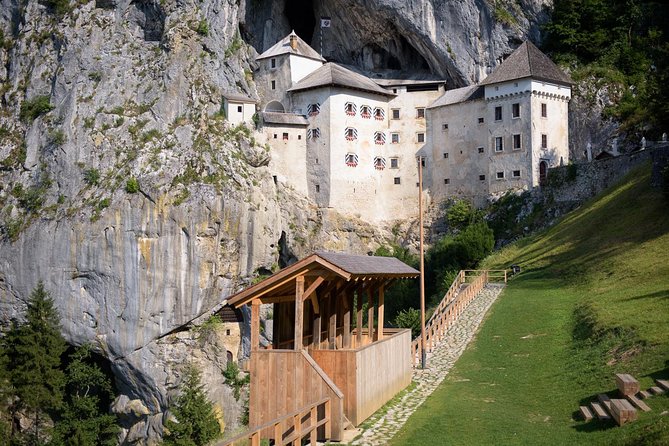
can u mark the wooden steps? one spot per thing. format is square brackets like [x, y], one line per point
[585, 413]
[655, 390]
[605, 401]
[643, 394]
[638, 403]
[622, 411]
[599, 411]
[662, 383]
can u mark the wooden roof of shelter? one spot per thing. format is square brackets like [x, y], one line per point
[324, 266]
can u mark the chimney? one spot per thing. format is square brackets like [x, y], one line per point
[293, 41]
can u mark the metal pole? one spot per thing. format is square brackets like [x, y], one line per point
[423, 358]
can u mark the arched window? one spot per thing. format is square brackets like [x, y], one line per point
[351, 159]
[543, 172]
[379, 138]
[379, 114]
[314, 133]
[379, 163]
[366, 111]
[313, 109]
[350, 108]
[350, 134]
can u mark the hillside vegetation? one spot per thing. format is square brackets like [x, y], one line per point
[592, 301]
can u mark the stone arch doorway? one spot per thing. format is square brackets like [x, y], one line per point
[543, 172]
[275, 106]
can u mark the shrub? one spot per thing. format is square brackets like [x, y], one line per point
[32, 108]
[59, 7]
[92, 176]
[460, 214]
[132, 185]
[665, 181]
[232, 378]
[57, 138]
[203, 28]
[409, 318]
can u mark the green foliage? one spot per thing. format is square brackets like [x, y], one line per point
[16, 157]
[84, 419]
[32, 108]
[95, 76]
[57, 138]
[460, 214]
[33, 351]
[403, 294]
[665, 182]
[232, 378]
[409, 318]
[59, 7]
[235, 45]
[195, 423]
[32, 198]
[92, 176]
[203, 28]
[132, 185]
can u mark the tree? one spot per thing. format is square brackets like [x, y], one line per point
[88, 392]
[195, 423]
[33, 351]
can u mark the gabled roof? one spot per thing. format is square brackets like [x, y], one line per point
[333, 75]
[527, 61]
[459, 95]
[283, 47]
[328, 266]
[284, 118]
[239, 97]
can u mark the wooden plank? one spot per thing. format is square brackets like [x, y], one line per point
[316, 332]
[599, 411]
[299, 309]
[605, 401]
[643, 394]
[255, 324]
[370, 315]
[662, 383]
[332, 326]
[638, 403]
[585, 413]
[622, 411]
[656, 390]
[358, 325]
[379, 330]
[312, 288]
[346, 336]
[626, 383]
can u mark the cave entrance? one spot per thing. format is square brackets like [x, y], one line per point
[300, 15]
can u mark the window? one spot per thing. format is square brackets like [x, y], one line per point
[516, 142]
[350, 134]
[481, 120]
[379, 138]
[447, 181]
[420, 137]
[379, 163]
[394, 163]
[299, 137]
[445, 155]
[396, 180]
[481, 150]
[420, 113]
[351, 159]
[499, 144]
[227, 332]
[318, 188]
[350, 109]
[395, 113]
[498, 113]
[482, 177]
[272, 63]
[444, 126]
[313, 109]
[544, 110]
[500, 175]
[394, 138]
[273, 85]
[516, 174]
[379, 114]
[239, 108]
[275, 136]
[314, 133]
[422, 161]
[285, 136]
[366, 112]
[544, 141]
[515, 110]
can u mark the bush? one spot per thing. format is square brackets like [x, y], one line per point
[59, 7]
[409, 318]
[203, 28]
[92, 177]
[132, 186]
[32, 108]
[665, 180]
[461, 213]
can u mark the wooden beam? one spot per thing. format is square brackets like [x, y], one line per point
[315, 284]
[379, 330]
[370, 315]
[255, 324]
[316, 335]
[346, 338]
[358, 320]
[299, 309]
[278, 299]
[332, 328]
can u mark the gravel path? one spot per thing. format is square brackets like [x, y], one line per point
[439, 362]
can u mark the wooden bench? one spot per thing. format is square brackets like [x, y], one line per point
[622, 411]
[627, 385]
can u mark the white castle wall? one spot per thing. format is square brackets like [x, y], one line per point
[301, 67]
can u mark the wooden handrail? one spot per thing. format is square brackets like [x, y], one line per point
[452, 305]
[275, 424]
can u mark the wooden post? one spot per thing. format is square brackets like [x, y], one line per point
[278, 435]
[297, 420]
[328, 418]
[255, 439]
[370, 315]
[358, 320]
[314, 421]
[332, 326]
[255, 324]
[316, 341]
[346, 336]
[379, 330]
[299, 309]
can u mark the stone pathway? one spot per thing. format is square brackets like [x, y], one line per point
[439, 362]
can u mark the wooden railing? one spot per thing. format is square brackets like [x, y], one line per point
[290, 428]
[464, 288]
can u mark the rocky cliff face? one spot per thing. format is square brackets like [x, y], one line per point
[123, 188]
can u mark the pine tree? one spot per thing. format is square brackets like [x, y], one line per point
[33, 351]
[88, 391]
[195, 424]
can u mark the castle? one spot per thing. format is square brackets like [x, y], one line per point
[351, 142]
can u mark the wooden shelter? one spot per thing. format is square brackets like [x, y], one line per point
[321, 345]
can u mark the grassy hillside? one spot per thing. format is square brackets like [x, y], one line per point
[593, 300]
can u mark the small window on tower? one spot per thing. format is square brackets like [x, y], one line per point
[350, 134]
[420, 137]
[500, 175]
[445, 155]
[515, 110]
[379, 114]
[272, 63]
[350, 108]
[285, 136]
[544, 110]
[444, 126]
[516, 173]
[482, 177]
[351, 159]
[273, 85]
[499, 144]
[420, 112]
[516, 142]
[239, 109]
[395, 113]
[447, 181]
[481, 150]
[379, 138]
[394, 163]
[394, 138]
[318, 188]
[481, 120]
[544, 141]
[366, 112]
[396, 180]
[498, 113]
[313, 109]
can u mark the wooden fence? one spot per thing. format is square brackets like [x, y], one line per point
[467, 284]
[292, 427]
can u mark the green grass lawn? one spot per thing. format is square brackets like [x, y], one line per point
[592, 300]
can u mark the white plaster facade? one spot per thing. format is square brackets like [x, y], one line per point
[238, 111]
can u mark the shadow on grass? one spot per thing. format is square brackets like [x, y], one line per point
[664, 294]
